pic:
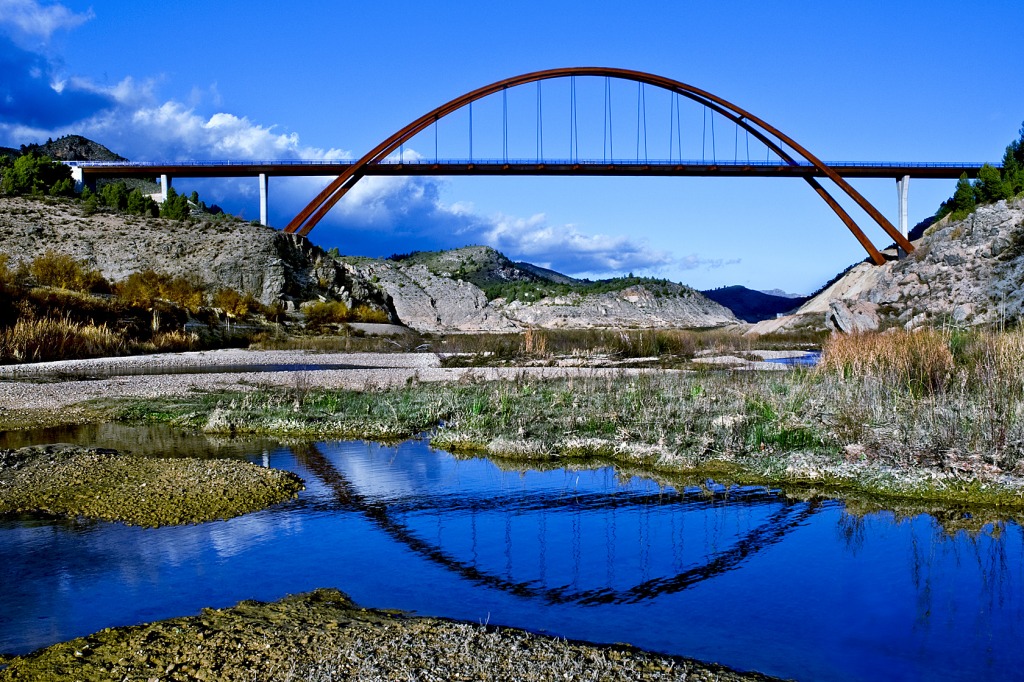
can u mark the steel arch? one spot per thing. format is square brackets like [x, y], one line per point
[309, 216]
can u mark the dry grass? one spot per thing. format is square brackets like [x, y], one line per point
[60, 338]
[37, 340]
[921, 361]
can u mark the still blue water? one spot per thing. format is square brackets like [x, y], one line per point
[754, 581]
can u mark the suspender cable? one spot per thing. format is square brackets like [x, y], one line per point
[643, 92]
[671, 123]
[604, 128]
[540, 124]
[714, 151]
[471, 132]
[638, 86]
[703, 136]
[574, 142]
[435, 139]
[504, 121]
[736, 144]
[679, 128]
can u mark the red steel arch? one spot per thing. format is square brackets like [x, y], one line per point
[309, 216]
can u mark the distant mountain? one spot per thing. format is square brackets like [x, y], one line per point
[780, 293]
[753, 306]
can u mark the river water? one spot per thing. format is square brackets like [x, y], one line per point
[745, 577]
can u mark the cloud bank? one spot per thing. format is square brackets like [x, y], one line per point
[38, 99]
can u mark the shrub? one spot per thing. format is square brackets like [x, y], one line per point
[330, 312]
[142, 289]
[234, 304]
[365, 313]
[63, 271]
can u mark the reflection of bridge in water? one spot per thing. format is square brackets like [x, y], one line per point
[403, 518]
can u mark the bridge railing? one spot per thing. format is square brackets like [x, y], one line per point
[522, 162]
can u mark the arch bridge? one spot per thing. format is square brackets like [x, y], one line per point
[783, 156]
[790, 153]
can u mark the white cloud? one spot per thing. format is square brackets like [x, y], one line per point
[567, 248]
[31, 19]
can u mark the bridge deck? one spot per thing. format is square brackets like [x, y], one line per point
[590, 167]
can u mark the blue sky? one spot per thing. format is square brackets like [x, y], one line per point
[867, 81]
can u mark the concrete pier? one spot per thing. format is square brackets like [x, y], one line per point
[263, 199]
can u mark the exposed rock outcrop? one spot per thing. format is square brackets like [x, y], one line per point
[267, 263]
[968, 272]
[439, 292]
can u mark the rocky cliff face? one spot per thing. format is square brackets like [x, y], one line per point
[437, 293]
[250, 258]
[968, 272]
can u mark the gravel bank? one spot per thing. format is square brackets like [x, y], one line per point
[324, 636]
[41, 393]
[66, 480]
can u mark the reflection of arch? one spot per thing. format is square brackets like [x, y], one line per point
[309, 216]
[771, 532]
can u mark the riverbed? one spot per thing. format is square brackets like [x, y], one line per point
[743, 576]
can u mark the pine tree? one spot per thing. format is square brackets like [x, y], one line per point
[964, 200]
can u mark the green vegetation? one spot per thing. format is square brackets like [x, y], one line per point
[923, 416]
[33, 173]
[992, 184]
[529, 291]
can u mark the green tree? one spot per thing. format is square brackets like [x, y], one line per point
[115, 195]
[1013, 165]
[964, 200]
[175, 206]
[990, 186]
[33, 173]
[140, 204]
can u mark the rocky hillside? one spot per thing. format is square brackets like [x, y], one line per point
[478, 289]
[75, 148]
[966, 272]
[223, 252]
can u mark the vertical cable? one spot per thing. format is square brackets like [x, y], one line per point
[504, 121]
[643, 92]
[714, 151]
[540, 124]
[435, 139]
[748, 144]
[671, 123]
[704, 136]
[471, 132]
[679, 128]
[638, 122]
[574, 142]
[736, 143]
[604, 127]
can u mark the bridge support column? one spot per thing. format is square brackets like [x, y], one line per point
[165, 184]
[263, 198]
[902, 190]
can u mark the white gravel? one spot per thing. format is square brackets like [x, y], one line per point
[46, 385]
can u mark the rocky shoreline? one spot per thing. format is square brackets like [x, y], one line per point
[66, 480]
[322, 635]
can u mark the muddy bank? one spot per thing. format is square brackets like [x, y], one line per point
[65, 480]
[322, 635]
